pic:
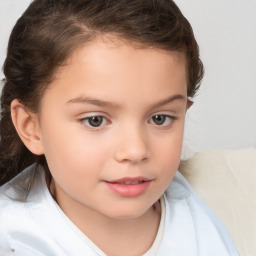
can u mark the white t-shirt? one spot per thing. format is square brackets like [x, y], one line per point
[32, 223]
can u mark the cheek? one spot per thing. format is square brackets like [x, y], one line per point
[74, 165]
[171, 146]
[169, 153]
[72, 151]
[169, 159]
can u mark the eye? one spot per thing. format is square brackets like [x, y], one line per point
[94, 121]
[162, 120]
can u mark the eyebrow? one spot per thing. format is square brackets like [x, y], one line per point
[102, 103]
[169, 100]
[93, 101]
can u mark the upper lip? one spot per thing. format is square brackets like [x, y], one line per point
[129, 180]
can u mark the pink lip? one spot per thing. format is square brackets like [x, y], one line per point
[138, 186]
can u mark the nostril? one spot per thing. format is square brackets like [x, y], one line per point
[133, 157]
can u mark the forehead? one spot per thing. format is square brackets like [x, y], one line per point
[111, 51]
[118, 47]
[110, 68]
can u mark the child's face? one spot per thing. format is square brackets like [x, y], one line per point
[132, 95]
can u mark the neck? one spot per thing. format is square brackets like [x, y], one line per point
[134, 235]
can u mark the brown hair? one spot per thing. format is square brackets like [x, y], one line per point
[49, 31]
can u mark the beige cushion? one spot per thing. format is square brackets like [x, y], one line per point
[226, 181]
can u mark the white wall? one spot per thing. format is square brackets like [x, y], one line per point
[224, 113]
[10, 11]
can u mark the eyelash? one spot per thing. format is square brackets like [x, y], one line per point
[104, 120]
[171, 119]
[86, 121]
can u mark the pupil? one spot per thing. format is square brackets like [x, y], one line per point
[159, 119]
[95, 121]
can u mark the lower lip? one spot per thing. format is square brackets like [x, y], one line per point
[128, 190]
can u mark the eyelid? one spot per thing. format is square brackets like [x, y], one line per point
[84, 118]
[170, 117]
[92, 114]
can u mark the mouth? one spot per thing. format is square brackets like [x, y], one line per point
[130, 180]
[129, 186]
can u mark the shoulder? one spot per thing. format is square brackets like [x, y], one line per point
[14, 193]
[32, 224]
[20, 189]
[27, 215]
[18, 198]
[194, 218]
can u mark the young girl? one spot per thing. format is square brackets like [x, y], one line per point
[93, 110]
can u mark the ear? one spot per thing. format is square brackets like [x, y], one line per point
[27, 126]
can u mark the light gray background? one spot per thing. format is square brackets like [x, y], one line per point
[224, 113]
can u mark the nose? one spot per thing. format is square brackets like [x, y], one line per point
[132, 146]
